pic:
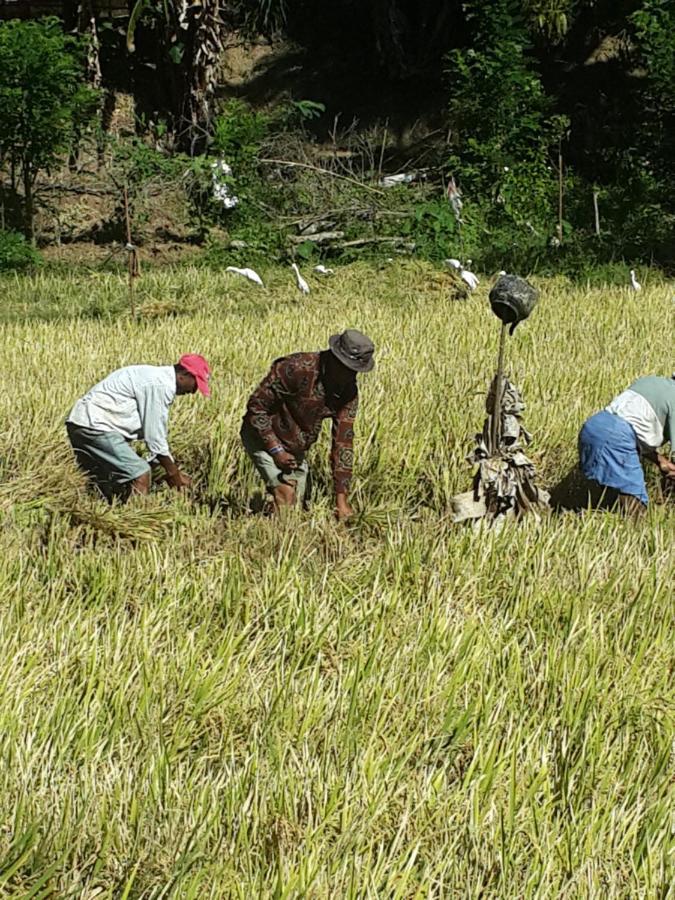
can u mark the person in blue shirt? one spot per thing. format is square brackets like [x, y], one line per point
[633, 427]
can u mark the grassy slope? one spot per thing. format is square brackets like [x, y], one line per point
[202, 702]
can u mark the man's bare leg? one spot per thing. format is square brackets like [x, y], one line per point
[284, 497]
[141, 485]
[631, 506]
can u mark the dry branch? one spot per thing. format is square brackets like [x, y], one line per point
[322, 237]
[300, 165]
[360, 242]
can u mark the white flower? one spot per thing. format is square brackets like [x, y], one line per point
[220, 171]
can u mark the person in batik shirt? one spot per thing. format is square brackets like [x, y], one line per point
[285, 413]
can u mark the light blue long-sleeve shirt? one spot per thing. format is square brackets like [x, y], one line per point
[134, 402]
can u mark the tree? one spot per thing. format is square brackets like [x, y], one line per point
[498, 104]
[186, 41]
[654, 24]
[44, 100]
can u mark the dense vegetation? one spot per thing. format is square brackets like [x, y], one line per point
[555, 119]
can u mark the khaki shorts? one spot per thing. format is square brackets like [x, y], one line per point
[268, 470]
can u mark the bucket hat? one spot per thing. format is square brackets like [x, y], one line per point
[354, 350]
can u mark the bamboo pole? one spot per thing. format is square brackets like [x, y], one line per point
[560, 192]
[133, 255]
[495, 437]
[596, 210]
[385, 135]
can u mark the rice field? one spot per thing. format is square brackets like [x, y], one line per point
[197, 701]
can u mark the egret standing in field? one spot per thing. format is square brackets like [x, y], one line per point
[249, 274]
[300, 281]
[471, 280]
[322, 270]
[634, 283]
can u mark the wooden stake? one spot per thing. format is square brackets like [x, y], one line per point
[495, 437]
[596, 194]
[133, 255]
[385, 134]
[560, 192]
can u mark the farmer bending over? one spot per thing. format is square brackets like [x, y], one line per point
[132, 404]
[634, 425]
[285, 413]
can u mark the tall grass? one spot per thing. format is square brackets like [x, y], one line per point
[200, 702]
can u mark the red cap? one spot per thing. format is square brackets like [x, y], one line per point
[196, 365]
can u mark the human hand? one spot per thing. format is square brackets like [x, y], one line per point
[285, 461]
[178, 480]
[667, 467]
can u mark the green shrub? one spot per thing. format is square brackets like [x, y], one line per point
[16, 253]
[433, 227]
[45, 102]
[505, 138]
[238, 134]
[498, 106]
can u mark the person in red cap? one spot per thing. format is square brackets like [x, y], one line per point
[132, 404]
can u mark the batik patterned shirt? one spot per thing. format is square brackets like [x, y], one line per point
[289, 405]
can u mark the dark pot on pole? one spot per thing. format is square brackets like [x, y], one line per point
[512, 299]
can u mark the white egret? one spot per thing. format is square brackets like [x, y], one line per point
[302, 284]
[322, 270]
[250, 274]
[393, 180]
[221, 180]
[634, 283]
[471, 280]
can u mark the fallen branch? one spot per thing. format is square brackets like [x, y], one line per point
[356, 212]
[299, 165]
[62, 188]
[335, 154]
[360, 242]
[322, 237]
[390, 214]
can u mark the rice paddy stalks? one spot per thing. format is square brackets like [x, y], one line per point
[196, 701]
